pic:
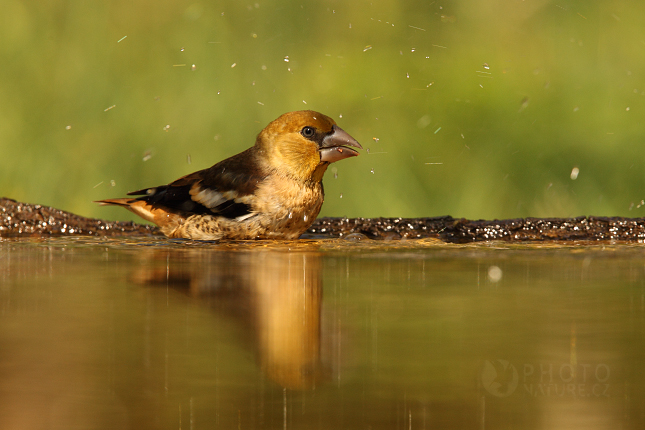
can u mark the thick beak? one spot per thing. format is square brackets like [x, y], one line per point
[333, 147]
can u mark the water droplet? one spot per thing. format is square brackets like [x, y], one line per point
[182, 49]
[286, 59]
[233, 65]
[69, 127]
[424, 121]
[574, 173]
[166, 127]
[112, 183]
[341, 195]
[372, 170]
[290, 215]
[494, 274]
[355, 237]
[486, 66]
[193, 67]
[305, 218]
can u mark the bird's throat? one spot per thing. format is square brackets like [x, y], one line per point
[318, 173]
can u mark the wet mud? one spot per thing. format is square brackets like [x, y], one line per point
[25, 220]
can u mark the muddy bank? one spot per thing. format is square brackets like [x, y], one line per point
[24, 220]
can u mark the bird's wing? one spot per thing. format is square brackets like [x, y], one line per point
[225, 189]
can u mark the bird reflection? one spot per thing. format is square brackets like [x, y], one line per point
[277, 294]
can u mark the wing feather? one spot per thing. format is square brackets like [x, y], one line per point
[225, 189]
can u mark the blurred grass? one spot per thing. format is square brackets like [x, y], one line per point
[506, 98]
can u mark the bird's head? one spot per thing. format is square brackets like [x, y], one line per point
[303, 143]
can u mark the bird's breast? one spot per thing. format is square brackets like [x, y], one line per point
[287, 208]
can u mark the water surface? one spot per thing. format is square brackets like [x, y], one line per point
[149, 333]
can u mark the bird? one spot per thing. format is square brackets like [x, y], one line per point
[272, 190]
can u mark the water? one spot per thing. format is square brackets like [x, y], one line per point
[105, 334]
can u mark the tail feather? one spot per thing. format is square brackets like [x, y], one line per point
[167, 221]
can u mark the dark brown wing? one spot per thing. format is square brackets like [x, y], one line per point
[225, 189]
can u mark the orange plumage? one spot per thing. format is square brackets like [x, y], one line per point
[271, 190]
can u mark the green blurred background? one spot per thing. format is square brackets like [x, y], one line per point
[478, 109]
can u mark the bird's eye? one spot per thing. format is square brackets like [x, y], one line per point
[308, 132]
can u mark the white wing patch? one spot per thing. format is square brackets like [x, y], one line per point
[213, 198]
[207, 197]
[244, 217]
[230, 195]
[248, 199]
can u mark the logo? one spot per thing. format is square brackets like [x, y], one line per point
[499, 377]
[578, 380]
